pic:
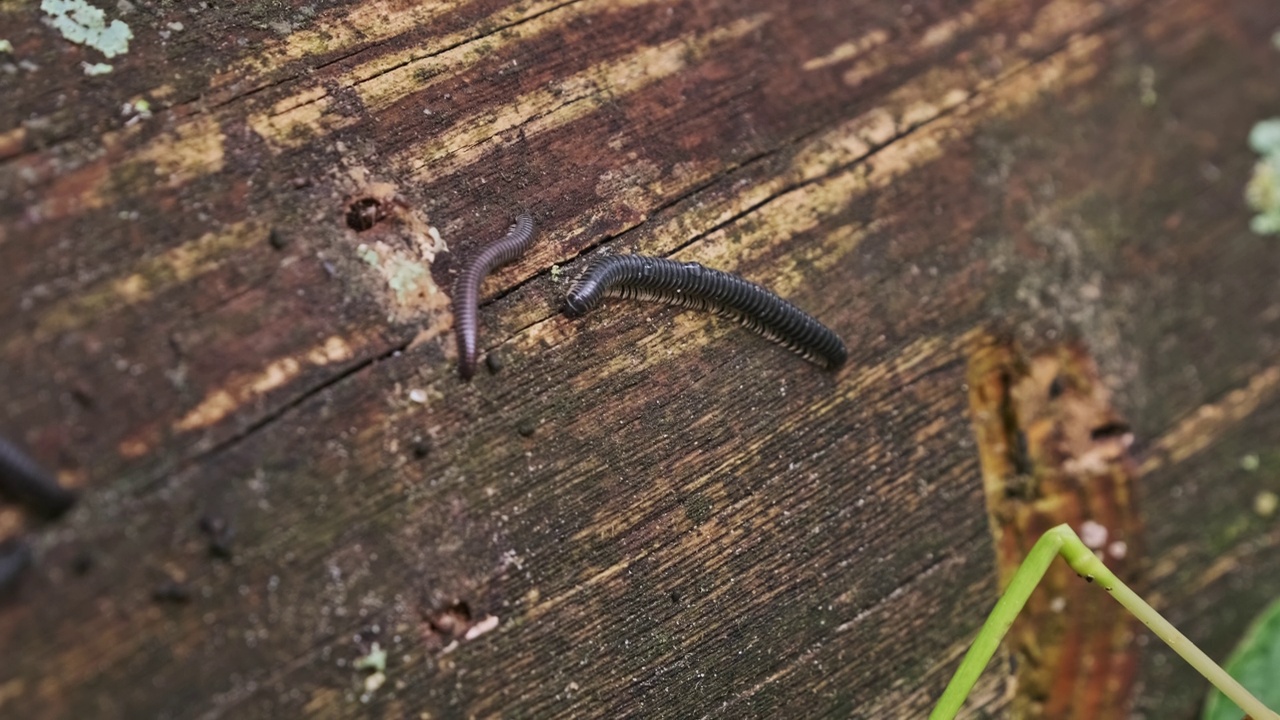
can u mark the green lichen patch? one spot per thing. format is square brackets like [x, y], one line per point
[375, 660]
[1263, 191]
[84, 24]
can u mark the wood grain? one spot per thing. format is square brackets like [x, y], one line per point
[1055, 451]
[666, 518]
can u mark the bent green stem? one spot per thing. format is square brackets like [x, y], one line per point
[1063, 541]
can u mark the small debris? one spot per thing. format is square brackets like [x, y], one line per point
[6, 47]
[375, 659]
[1118, 549]
[82, 563]
[493, 361]
[526, 427]
[434, 234]
[421, 448]
[220, 533]
[172, 592]
[137, 112]
[1265, 503]
[96, 69]
[140, 109]
[1093, 534]
[1147, 86]
[418, 395]
[482, 627]
[276, 239]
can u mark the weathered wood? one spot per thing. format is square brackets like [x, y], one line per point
[667, 516]
[1054, 451]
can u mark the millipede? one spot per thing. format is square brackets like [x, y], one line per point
[22, 480]
[692, 285]
[15, 556]
[467, 290]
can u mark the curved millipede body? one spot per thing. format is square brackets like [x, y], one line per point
[691, 285]
[466, 294]
[22, 480]
[15, 556]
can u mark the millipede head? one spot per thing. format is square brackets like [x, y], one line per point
[575, 305]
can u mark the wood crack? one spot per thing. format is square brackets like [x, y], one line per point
[160, 478]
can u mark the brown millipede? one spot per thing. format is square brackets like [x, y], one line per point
[691, 285]
[466, 294]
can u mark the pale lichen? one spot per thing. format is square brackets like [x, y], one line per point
[96, 69]
[85, 24]
[1263, 191]
[375, 659]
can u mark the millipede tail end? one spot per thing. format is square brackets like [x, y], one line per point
[466, 297]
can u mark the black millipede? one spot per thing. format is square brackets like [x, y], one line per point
[466, 294]
[692, 285]
[15, 556]
[22, 480]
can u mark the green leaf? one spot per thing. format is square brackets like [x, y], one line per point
[1256, 664]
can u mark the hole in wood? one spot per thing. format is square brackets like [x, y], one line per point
[364, 213]
[1109, 430]
[451, 621]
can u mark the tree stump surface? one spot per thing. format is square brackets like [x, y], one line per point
[227, 307]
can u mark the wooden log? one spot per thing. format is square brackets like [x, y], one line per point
[230, 302]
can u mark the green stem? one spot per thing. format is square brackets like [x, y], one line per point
[998, 623]
[1061, 540]
[1083, 561]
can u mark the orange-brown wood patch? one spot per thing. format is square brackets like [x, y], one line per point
[1054, 451]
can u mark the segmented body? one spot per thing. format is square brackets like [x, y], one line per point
[22, 480]
[15, 557]
[692, 285]
[466, 295]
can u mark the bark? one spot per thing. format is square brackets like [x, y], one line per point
[227, 324]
